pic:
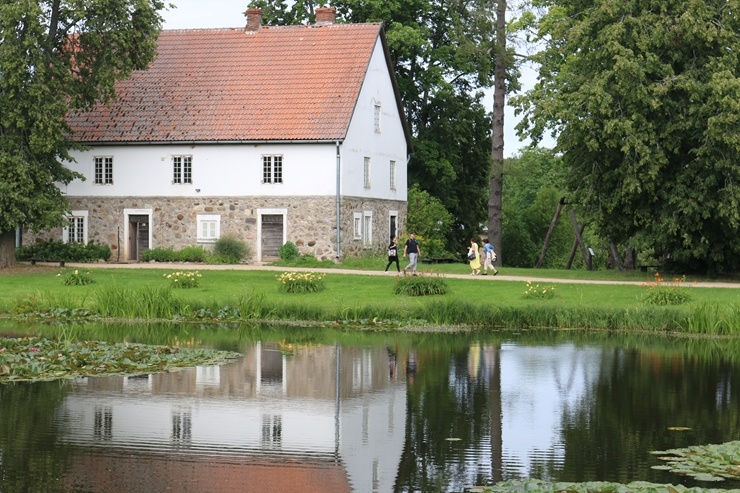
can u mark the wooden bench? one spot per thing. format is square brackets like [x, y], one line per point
[646, 267]
[34, 260]
[425, 260]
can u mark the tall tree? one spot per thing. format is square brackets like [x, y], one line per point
[58, 56]
[495, 198]
[645, 100]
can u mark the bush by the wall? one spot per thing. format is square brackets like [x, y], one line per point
[160, 255]
[289, 251]
[230, 250]
[69, 252]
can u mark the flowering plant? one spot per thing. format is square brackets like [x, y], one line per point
[660, 292]
[184, 279]
[536, 292]
[76, 278]
[301, 282]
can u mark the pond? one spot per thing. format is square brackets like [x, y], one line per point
[344, 410]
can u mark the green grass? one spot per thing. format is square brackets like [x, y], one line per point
[253, 294]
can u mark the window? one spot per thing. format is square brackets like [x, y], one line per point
[209, 228]
[367, 229]
[103, 170]
[358, 225]
[182, 169]
[393, 175]
[272, 169]
[76, 229]
[366, 172]
[377, 118]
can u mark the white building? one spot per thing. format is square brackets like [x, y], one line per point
[267, 134]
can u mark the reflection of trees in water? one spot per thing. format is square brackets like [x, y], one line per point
[637, 396]
[32, 457]
[453, 392]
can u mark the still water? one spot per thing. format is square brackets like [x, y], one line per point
[318, 410]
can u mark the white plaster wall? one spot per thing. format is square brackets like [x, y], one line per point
[362, 140]
[218, 170]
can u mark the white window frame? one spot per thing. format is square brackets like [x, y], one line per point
[376, 117]
[366, 172]
[392, 172]
[272, 168]
[367, 229]
[68, 236]
[182, 169]
[103, 170]
[357, 225]
[213, 220]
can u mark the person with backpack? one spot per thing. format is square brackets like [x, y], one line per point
[489, 257]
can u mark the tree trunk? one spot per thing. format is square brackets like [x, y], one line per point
[7, 249]
[550, 231]
[495, 215]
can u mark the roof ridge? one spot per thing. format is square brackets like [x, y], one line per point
[291, 26]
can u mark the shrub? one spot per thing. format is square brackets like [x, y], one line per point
[160, 255]
[301, 282]
[69, 252]
[289, 251]
[536, 292]
[76, 278]
[184, 279]
[230, 250]
[666, 293]
[192, 254]
[420, 285]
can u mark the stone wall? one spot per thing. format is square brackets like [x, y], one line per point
[311, 223]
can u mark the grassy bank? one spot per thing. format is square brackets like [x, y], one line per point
[254, 295]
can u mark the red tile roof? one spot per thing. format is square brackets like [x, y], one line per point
[278, 83]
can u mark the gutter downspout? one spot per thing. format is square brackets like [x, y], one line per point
[339, 225]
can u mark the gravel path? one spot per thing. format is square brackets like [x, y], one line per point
[480, 278]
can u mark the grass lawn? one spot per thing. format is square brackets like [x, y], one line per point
[356, 297]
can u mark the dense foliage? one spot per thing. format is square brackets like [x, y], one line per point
[57, 56]
[420, 285]
[69, 252]
[231, 250]
[644, 98]
[431, 222]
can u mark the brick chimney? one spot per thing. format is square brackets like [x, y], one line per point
[325, 15]
[254, 20]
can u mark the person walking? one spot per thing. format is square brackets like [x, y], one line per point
[413, 250]
[393, 254]
[474, 257]
[489, 257]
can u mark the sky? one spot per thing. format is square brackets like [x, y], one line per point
[193, 14]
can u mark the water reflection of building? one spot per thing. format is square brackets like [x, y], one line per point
[245, 426]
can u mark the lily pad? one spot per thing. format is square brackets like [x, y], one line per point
[703, 462]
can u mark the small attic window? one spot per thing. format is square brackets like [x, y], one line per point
[376, 118]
